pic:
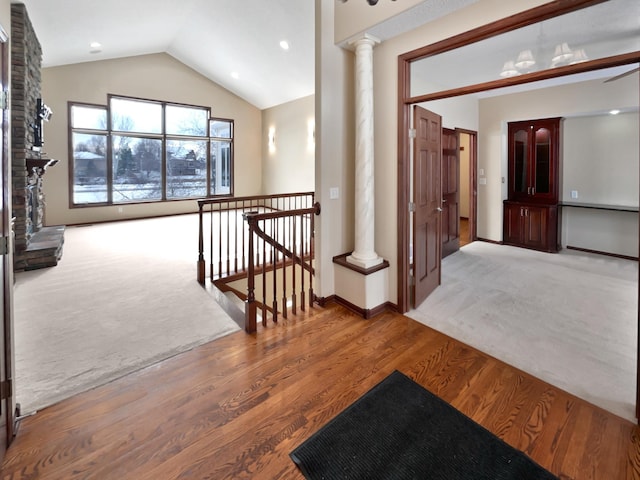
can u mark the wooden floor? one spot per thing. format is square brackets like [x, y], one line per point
[464, 231]
[236, 407]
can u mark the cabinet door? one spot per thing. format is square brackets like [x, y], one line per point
[513, 214]
[535, 227]
[519, 153]
[533, 160]
[544, 160]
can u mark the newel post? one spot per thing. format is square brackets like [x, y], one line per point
[250, 311]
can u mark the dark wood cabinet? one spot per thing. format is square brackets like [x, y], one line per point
[531, 225]
[531, 210]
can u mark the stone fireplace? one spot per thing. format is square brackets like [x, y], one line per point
[36, 245]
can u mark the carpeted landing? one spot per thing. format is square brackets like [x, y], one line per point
[124, 296]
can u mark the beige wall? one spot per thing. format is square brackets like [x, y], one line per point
[289, 166]
[158, 77]
[335, 147]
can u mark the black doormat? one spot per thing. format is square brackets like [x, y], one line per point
[399, 430]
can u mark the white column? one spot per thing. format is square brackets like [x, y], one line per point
[364, 254]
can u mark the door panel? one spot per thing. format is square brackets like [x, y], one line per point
[427, 190]
[7, 404]
[535, 230]
[450, 192]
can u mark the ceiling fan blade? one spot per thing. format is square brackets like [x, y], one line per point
[618, 77]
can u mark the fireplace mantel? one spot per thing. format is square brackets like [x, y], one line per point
[38, 166]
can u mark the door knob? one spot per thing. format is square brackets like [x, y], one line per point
[439, 209]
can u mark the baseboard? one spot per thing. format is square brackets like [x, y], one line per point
[365, 313]
[495, 242]
[598, 252]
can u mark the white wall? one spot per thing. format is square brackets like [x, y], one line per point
[600, 162]
[600, 158]
[157, 77]
[289, 166]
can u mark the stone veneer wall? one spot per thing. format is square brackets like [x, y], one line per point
[26, 64]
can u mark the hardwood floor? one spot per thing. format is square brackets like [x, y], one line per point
[236, 407]
[464, 231]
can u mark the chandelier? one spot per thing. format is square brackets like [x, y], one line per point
[526, 61]
[370, 2]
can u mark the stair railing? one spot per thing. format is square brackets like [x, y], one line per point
[287, 239]
[223, 234]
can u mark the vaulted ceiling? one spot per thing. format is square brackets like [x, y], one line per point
[236, 43]
[220, 39]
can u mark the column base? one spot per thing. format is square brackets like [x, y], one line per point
[364, 288]
[366, 264]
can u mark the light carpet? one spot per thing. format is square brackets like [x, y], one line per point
[569, 319]
[123, 296]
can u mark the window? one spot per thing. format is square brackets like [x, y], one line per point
[221, 136]
[138, 150]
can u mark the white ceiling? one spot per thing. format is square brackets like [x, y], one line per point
[603, 30]
[218, 37]
[214, 37]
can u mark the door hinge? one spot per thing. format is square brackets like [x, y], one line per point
[412, 207]
[6, 389]
[4, 100]
[412, 133]
[4, 245]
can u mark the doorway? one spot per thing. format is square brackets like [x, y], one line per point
[407, 99]
[7, 396]
[453, 208]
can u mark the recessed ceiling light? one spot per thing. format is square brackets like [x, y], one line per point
[614, 112]
[284, 45]
[96, 47]
[235, 75]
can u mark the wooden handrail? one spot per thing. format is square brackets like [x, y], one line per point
[254, 221]
[227, 252]
[260, 235]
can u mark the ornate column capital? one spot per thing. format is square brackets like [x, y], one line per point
[365, 39]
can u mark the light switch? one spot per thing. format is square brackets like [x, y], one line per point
[334, 193]
[481, 172]
[574, 194]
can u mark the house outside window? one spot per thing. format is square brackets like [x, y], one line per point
[136, 150]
